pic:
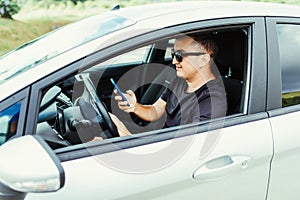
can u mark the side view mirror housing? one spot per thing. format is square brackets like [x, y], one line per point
[28, 164]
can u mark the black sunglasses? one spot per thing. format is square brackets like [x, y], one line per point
[179, 55]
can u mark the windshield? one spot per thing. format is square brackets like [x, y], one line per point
[37, 51]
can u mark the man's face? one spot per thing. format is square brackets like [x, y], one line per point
[190, 65]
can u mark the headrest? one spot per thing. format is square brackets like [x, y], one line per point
[231, 53]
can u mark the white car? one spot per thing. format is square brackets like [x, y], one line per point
[56, 94]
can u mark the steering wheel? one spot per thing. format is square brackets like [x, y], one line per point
[99, 105]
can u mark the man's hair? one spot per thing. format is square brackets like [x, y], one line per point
[208, 43]
[205, 41]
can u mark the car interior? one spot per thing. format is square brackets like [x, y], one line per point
[75, 109]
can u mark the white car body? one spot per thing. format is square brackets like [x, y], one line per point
[254, 154]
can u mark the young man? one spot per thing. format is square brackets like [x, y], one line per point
[196, 93]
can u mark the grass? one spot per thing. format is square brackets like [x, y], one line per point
[35, 20]
[15, 33]
[289, 99]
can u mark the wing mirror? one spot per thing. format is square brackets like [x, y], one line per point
[28, 164]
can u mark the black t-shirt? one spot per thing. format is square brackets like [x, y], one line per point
[207, 102]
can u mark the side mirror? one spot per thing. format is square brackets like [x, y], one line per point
[28, 164]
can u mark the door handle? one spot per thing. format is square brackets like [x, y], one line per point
[221, 167]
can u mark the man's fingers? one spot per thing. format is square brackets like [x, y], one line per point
[118, 98]
[123, 103]
[130, 92]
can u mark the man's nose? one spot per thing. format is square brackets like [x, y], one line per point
[174, 61]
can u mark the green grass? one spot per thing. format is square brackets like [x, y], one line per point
[14, 33]
[289, 99]
[30, 24]
[37, 19]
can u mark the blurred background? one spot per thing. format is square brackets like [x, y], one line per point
[23, 20]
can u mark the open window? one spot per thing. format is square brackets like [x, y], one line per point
[77, 106]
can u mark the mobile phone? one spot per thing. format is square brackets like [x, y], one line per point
[119, 91]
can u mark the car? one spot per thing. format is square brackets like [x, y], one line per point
[56, 96]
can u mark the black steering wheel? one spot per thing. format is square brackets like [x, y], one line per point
[99, 105]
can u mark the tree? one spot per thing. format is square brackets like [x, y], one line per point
[8, 8]
[75, 1]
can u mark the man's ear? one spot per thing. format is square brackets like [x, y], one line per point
[205, 59]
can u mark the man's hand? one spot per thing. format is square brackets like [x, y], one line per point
[95, 139]
[122, 130]
[131, 99]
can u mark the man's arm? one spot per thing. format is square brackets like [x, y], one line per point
[150, 112]
[145, 112]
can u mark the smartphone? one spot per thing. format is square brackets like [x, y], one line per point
[119, 91]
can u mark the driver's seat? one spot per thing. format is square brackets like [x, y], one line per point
[154, 91]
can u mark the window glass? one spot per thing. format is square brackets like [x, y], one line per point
[9, 122]
[289, 48]
[137, 56]
[170, 46]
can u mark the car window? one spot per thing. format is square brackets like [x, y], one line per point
[9, 122]
[170, 46]
[289, 49]
[137, 56]
[75, 116]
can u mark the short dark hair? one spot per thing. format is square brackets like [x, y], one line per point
[207, 43]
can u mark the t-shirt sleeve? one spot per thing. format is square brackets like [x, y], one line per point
[168, 89]
[165, 94]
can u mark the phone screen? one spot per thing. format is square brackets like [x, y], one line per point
[119, 91]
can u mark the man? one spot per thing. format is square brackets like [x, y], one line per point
[196, 94]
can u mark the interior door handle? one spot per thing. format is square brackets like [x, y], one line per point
[221, 167]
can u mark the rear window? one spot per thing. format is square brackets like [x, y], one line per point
[289, 49]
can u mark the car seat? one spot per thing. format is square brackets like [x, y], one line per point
[230, 61]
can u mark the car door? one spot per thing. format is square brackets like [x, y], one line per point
[283, 103]
[227, 158]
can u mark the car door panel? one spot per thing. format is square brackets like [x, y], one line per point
[284, 182]
[164, 170]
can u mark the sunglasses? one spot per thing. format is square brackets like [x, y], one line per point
[179, 55]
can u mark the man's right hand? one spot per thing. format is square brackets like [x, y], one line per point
[131, 100]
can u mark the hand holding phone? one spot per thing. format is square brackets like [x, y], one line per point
[119, 91]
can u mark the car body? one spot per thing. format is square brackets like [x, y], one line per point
[252, 153]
